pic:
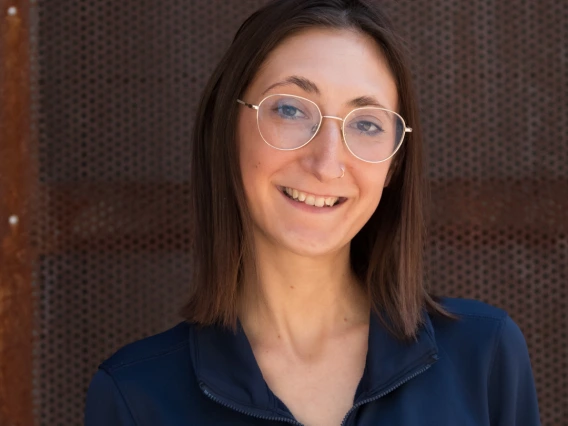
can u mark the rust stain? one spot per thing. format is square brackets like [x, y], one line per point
[16, 306]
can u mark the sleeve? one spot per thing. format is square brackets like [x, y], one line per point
[512, 392]
[105, 405]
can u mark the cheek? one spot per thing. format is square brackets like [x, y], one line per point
[246, 142]
[259, 162]
[256, 159]
[252, 164]
[372, 185]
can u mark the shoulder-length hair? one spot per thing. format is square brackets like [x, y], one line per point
[386, 254]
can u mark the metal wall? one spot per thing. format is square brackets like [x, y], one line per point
[114, 93]
[17, 182]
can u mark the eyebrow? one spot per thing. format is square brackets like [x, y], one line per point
[363, 101]
[310, 87]
[303, 83]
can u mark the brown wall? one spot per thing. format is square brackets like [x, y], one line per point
[115, 86]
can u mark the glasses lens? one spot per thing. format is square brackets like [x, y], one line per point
[287, 122]
[373, 134]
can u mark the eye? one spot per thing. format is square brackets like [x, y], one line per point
[366, 127]
[289, 112]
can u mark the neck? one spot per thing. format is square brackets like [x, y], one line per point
[299, 301]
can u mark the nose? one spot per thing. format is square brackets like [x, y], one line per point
[326, 150]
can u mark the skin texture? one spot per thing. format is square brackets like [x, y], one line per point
[306, 316]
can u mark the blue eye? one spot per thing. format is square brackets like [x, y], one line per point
[289, 112]
[367, 127]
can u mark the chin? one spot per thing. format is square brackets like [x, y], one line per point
[313, 244]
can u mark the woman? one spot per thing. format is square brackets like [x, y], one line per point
[308, 305]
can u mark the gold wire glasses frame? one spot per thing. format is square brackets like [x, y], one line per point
[314, 130]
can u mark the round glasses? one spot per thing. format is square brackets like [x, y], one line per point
[288, 122]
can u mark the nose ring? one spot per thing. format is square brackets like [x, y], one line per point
[342, 173]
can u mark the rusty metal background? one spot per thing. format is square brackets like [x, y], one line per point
[114, 97]
[17, 186]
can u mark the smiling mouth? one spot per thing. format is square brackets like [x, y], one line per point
[310, 199]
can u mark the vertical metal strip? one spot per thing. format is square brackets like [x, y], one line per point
[16, 307]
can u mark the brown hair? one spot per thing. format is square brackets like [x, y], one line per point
[386, 254]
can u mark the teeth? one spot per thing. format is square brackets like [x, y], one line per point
[309, 199]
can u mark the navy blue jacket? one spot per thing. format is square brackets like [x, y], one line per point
[471, 372]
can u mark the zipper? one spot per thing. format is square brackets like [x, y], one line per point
[389, 390]
[216, 399]
[212, 396]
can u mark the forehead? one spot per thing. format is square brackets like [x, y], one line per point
[344, 64]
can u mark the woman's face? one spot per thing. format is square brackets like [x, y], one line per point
[343, 66]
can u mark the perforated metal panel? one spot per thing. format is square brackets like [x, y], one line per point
[116, 91]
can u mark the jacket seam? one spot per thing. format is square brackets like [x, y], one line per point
[496, 348]
[115, 367]
[230, 398]
[413, 365]
[124, 400]
[480, 316]
[196, 356]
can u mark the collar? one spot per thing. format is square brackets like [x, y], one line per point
[225, 365]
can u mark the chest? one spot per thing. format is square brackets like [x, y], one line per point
[319, 393]
[317, 399]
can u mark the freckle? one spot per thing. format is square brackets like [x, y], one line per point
[345, 319]
[279, 336]
[291, 286]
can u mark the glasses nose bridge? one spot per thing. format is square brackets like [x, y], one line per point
[333, 117]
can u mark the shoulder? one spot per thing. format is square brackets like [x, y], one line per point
[476, 322]
[481, 330]
[153, 348]
[138, 383]
[483, 315]
[469, 313]
[478, 328]
[472, 308]
[485, 348]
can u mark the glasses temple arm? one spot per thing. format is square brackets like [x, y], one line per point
[251, 106]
